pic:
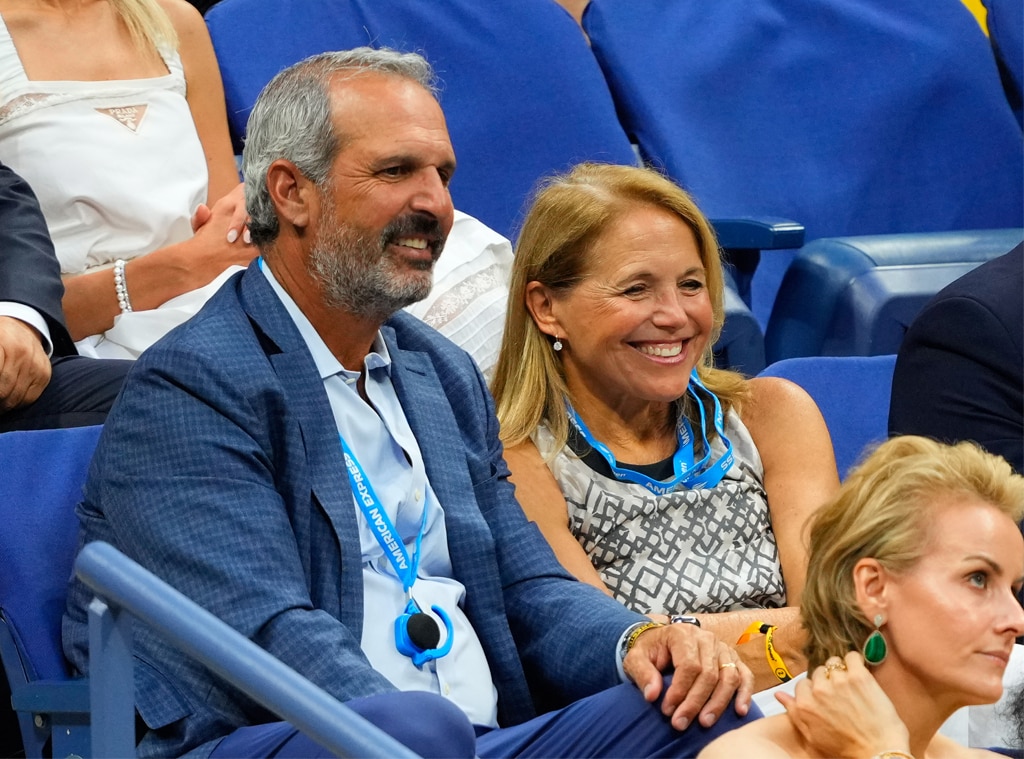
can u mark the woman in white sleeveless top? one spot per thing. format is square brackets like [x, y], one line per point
[113, 111]
[615, 302]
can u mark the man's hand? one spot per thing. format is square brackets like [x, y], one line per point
[841, 711]
[24, 366]
[706, 673]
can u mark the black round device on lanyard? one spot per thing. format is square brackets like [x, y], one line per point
[417, 634]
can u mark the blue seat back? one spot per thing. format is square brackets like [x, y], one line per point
[741, 344]
[1005, 20]
[852, 393]
[858, 295]
[521, 92]
[41, 478]
[43, 475]
[851, 117]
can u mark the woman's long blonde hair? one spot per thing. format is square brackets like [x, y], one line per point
[555, 247]
[147, 22]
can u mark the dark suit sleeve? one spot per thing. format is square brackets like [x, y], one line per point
[29, 270]
[959, 377]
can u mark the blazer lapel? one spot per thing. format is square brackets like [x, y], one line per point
[441, 442]
[426, 407]
[296, 370]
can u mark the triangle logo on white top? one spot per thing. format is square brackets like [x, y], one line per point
[129, 116]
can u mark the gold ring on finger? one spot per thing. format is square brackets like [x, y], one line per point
[727, 664]
[833, 666]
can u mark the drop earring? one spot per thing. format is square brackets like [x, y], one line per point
[557, 345]
[875, 648]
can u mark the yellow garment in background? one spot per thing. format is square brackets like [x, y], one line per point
[979, 11]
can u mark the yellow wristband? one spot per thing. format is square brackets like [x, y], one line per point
[756, 628]
[775, 658]
[775, 662]
[637, 631]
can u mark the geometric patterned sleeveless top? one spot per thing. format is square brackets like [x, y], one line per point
[688, 551]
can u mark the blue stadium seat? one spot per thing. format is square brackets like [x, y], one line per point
[522, 94]
[43, 474]
[1005, 21]
[858, 295]
[852, 117]
[853, 395]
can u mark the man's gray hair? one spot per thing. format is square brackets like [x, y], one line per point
[292, 120]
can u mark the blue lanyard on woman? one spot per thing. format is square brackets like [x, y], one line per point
[687, 473]
[416, 633]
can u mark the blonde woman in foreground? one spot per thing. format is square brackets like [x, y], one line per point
[909, 607]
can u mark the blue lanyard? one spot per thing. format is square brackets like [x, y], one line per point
[419, 643]
[688, 474]
[380, 523]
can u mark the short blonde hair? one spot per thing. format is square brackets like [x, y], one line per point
[147, 22]
[882, 511]
[555, 247]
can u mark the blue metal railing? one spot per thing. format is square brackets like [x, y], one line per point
[127, 588]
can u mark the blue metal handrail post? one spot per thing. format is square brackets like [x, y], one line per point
[124, 584]
[111, 682]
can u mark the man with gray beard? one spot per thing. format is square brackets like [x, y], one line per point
[324, 473]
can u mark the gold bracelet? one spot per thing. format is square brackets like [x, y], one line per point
[630, 634]
[638, 631]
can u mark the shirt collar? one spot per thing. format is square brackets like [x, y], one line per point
[326, 363]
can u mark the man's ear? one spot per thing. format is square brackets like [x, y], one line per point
[541, 305]
[295, 197]
[872, 581]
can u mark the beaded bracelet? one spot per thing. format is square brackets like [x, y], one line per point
[121, 286]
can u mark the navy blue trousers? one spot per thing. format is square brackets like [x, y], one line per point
[80, 393]
[614, 723]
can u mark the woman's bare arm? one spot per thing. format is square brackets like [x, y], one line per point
[543, 503]
[799, 467]
[205, 95]
[90, 300]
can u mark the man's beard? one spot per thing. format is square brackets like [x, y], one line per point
[358, 275]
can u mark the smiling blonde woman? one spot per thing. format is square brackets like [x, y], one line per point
[680, 489]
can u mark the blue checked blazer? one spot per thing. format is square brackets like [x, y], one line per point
[220, 470]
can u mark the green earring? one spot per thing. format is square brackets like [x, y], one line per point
[875, 649]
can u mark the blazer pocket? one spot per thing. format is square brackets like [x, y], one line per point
[158, 702]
